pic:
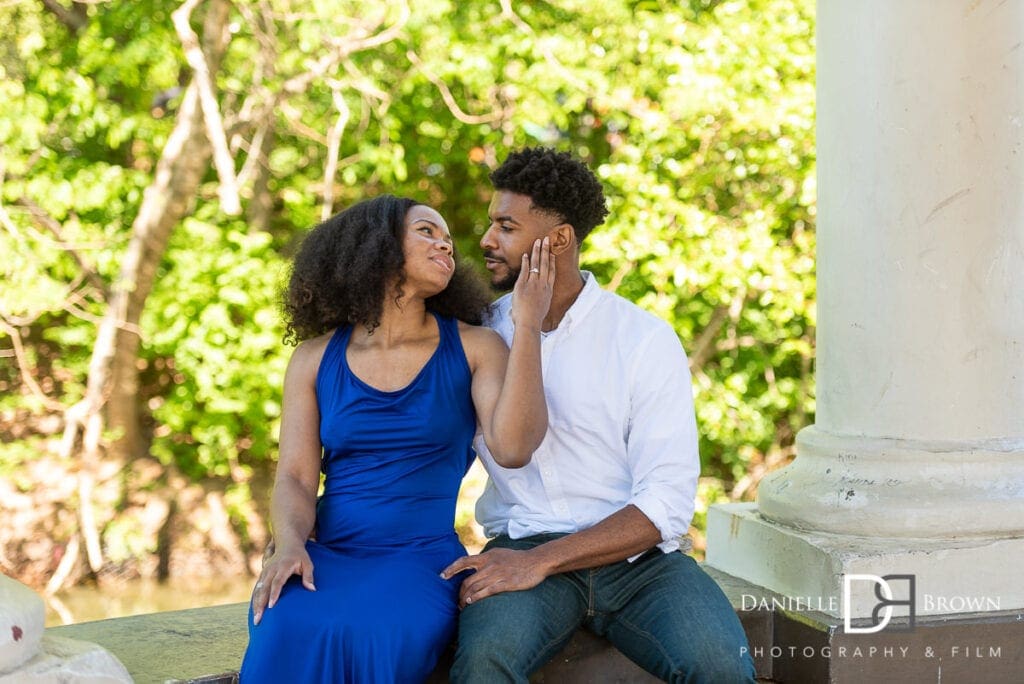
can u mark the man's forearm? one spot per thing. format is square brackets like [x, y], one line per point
[621, 535]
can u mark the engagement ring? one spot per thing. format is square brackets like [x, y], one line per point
[534, 270]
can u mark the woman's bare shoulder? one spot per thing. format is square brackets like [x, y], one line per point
[478, 334]
[480, 342]
[307, 355]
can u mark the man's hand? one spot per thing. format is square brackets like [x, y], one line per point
[497, 570]
[282, 565]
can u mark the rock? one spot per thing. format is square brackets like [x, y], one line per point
[66, 661]
[22, 615]
[27, 657]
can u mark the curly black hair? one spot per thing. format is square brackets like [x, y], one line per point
[341, 272]
[557, 183]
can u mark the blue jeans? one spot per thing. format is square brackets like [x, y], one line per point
[661, 611]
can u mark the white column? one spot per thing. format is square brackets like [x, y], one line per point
[920, 375]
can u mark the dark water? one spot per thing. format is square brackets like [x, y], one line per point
[134, 597]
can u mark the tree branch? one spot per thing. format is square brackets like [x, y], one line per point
[10, 227]
[67, 563]
[333, 146]
[704, 346]
[254, 150]
[259, 103]
[74, 19]
[294, 118]
[223, 161]
[51, 224]
[549, 57]
[449, 99]
[619, 275]
[360, 82]
[112, 378]
[23, 366]
[343, 48]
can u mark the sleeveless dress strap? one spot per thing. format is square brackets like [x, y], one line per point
[451, 342]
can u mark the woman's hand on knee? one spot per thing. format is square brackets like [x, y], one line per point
[286, 561]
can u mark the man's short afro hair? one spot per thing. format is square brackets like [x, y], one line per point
[557, 183]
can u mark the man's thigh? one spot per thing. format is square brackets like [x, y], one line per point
[506, 637]
[671, 618]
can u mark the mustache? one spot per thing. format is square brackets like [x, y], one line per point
[490, 255]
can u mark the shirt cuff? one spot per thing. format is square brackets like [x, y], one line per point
[657, 512]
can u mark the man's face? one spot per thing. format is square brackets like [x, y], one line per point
[514, 227]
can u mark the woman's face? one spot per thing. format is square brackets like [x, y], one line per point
[428, 250]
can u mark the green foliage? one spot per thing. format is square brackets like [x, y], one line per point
[78, 147]
[125, 539]
[215, 349]
[697, 116]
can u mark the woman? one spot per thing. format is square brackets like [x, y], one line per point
[384, 393]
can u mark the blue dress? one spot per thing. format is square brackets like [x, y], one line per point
[384, 529]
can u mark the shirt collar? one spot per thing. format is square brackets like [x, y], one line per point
[585, 301]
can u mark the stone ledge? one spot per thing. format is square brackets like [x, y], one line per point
[200, 644]
[205, 646]
[60, 659]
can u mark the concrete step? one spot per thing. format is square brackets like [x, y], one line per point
[205, 645]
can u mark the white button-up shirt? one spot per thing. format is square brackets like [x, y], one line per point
[621, 426]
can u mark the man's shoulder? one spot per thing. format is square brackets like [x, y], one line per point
[498, 311]
[630, 318]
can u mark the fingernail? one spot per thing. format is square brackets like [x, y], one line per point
[469, 600]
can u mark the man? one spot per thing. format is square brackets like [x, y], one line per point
[588, 532]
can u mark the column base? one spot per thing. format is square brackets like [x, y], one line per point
[899, 488]
[806, 568]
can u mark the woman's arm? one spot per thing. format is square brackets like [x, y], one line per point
[293, 504]
[508, 391]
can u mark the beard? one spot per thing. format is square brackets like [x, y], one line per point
[506, 282]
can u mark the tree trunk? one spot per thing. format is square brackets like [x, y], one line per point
[111, 390]
[261, 206]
